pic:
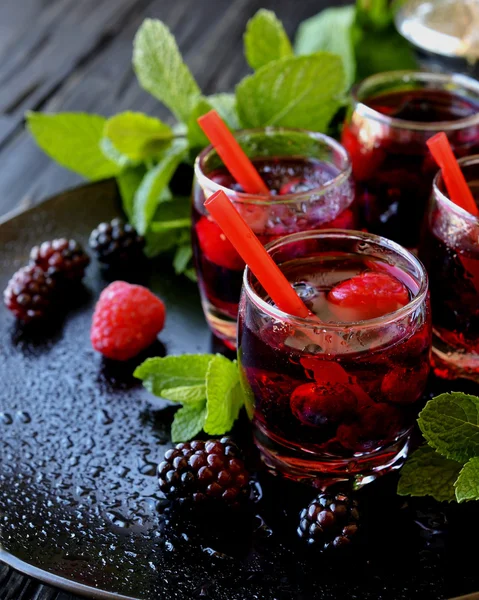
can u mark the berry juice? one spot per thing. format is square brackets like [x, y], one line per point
[305, 194]
[386, 139]
[450, 251]
[337, 398]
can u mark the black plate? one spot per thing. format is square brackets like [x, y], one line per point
[80, 439]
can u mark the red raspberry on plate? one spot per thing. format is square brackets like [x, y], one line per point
[367, 296]
[127, 320]
[216, 247]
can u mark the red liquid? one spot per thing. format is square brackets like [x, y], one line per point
[219, 267]
[392, 166]
[360, 398]
[454, 283]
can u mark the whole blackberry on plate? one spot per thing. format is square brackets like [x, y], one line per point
[61, 258]
[30, 293]
[329, 521]
[200, 471]
[117, 243]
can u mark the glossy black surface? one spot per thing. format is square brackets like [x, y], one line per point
[80, 439]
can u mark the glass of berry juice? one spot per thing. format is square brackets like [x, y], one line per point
[392, 117]
[334, 397]
[309, 176]
[450, 250]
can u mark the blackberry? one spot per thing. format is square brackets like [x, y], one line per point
[61, 258]
[30, 293]
[329, 521]
[199, 471]
[117, 243]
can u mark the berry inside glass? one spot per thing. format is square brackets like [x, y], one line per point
[309, 178]
[394, 114]
[335, 396]
[450, 250]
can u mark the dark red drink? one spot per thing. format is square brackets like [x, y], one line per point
[306, 193]
[386, 137]
[450, 250]
[338, 398]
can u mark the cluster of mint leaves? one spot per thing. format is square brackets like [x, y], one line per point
[207, 386]
[447, 468]
[300, 90]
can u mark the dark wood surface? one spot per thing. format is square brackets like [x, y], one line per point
[75, 55]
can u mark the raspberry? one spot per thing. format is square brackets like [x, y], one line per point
[330, 521]
[321, 405]
[216, 247]
[367, 296]
[30, 293]
[196, 472]
[61, 258]
[117, 244]
[127, 320]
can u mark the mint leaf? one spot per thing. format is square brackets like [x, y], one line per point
[467, 484]
[330, 31]
[224, 395]
[378, 52]
[158, 242]
[172, 221]
[73, 141]
[224, 104]
[191, 274]
[374, 14]
[137, 136]
[301, 91]
[265, 39]
[182, 258]
[427, 473]
[114, 155]
[161, 71]
[128, 182]
[450, 424]
[188, 421]
[177, 378]
[148, 195]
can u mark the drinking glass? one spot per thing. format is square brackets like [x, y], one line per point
[334, 399]
[450, 251]
[392, 117]
[311, 176]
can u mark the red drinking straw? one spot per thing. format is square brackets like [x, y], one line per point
[255, 256]
[231, 153]
[272, 279]
[459, 192]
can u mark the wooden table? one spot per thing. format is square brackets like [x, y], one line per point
[75, 55]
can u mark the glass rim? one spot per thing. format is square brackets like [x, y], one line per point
[262, 200]
[456, 78]
[276, 313]
[439, 195]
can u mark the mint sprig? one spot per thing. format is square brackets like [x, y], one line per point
[143, 152]
[448, 467]
[207, 385]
